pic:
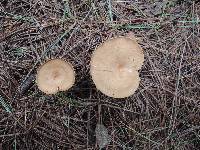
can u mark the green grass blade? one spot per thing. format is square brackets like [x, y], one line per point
[110, 10]
[141, 26]
[5, 105]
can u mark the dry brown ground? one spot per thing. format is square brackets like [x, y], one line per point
[164, 112]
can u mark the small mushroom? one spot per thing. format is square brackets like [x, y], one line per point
[114, 67]
[54, 76]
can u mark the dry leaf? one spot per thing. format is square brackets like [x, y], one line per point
[102, 136]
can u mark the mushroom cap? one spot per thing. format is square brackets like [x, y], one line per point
[115, 65]
[54, 76]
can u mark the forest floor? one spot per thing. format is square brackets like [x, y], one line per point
[164, 113]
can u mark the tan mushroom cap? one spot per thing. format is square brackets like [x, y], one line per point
[115, 65]
[54, 76]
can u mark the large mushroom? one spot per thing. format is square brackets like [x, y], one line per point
[114, 67]
[54, 76]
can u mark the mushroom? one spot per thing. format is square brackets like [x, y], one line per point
[54, 76]
[114, 67]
